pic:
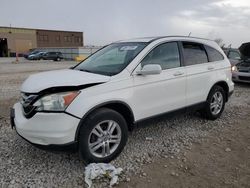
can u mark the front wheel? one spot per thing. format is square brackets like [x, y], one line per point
[103, 136]
[215, 103]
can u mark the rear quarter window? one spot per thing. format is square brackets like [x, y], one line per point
[213, 54]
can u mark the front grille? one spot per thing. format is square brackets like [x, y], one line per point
[245, 78]
[27, 101]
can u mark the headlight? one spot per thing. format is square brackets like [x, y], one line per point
[234, 69]
[55, 102]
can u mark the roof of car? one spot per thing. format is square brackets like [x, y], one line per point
[151, 39]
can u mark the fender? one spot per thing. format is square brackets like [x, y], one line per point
[99, 106]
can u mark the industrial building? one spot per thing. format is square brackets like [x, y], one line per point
[22, 40]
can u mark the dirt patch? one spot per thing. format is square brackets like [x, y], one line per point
[222, 159]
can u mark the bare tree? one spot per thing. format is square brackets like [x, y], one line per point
[219, 41]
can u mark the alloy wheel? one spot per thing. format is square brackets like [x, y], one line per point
[104, 138]
[216, 103]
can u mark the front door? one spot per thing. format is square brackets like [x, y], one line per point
[164, 92]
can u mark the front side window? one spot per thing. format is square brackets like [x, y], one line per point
[166, 55]
[213, 54]
[194, 53]
[112, 59]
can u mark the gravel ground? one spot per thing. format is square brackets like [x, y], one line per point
[22, 165]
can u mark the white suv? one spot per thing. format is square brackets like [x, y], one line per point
[94, 104]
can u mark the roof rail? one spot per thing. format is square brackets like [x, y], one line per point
[160, 37]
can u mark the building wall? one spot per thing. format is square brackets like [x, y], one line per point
[19, 40]
[48, 38]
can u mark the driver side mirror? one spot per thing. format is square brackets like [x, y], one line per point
[150, 69]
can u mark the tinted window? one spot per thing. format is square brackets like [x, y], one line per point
[166, 55]
[213, 54]
[194, 53]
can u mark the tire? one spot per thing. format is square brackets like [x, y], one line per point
[214, 108]
[105, 118]
[58, 59]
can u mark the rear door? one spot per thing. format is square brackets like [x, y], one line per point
[200, 72]
[164, 92]
[53, 55]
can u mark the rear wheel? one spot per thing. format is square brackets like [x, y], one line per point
[103, 136]
[215, 103]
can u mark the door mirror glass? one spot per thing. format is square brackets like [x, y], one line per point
[150, 69]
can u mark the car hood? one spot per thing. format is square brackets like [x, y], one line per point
[245, 50]
[234, 61]
[59, 79]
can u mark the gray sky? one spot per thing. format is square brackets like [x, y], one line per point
[104, 21]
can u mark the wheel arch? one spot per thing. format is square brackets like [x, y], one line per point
[119, 106]
[224, 85]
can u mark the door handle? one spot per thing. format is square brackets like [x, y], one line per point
[178, 73]
[210, 68]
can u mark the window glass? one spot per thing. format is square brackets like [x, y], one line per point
[194, 53]
[111, 59]
[41, 37]
[234, 55]
[213, 54]
[76, 39]
[45, 37]
[58, 38]
[166, 55]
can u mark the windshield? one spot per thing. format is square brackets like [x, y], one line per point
[111, 59]
[234, 55]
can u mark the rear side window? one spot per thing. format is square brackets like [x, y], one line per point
[166, 55]
[194, 53]
[213, 54]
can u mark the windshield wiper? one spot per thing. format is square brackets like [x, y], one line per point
[85, 70]
[99, 72]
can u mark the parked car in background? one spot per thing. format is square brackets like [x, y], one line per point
[93, 105]
[34, 51]
[56, 56]
[233, 54]
[241, 70]
[36, 56]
